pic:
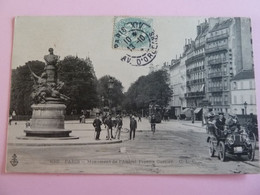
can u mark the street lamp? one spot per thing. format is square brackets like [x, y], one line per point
[110, 87]
[103, 101]
[245, 105]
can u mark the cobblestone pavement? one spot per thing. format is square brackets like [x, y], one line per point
[177, 147]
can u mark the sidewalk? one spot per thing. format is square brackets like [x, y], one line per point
[197, 124]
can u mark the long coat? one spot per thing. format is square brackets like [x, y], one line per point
[133, 124]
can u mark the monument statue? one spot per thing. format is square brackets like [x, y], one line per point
[48, 109]
[47, 87]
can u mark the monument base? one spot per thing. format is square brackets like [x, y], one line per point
[47, 121]
[47, 133]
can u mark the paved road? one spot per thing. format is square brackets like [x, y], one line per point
[177, 147]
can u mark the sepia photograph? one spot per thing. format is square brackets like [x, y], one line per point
[132, 95]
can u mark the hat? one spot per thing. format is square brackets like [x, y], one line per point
[211, 115]
[221, 113]
[232, 114]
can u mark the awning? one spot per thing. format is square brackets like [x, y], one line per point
[197, 110]
[185, 110]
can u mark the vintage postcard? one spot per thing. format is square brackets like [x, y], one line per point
[132, 95]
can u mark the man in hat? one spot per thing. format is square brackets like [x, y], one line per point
[109, 124]
[211, 125]
[119, 126]
[221, 121]
[232, 123]
[97, 124]
[133, 126]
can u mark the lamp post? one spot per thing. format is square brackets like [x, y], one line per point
[103, 101]
[110, 87]
[245, 105]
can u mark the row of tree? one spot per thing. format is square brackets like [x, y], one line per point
[86, 91]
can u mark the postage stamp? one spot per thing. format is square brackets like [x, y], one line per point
[137, 36]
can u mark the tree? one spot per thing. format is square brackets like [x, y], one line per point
[112, 96]
[22, 86]
[151, 88]
[80, 83]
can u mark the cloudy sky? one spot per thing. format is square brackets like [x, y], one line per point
[93, 36]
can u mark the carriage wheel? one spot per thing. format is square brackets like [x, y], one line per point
[252, 138]
[222, 152]
[251, 153]
[211, 149]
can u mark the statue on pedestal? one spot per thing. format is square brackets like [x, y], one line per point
[47, 86]
[48, 109]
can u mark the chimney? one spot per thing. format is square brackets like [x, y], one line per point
[198, 30]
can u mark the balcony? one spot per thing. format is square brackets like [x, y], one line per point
[217, 74]
[216, 48]
[216, 89]
[196, 69]
[217, 37]
[194, 58]
[195, 94]
[195, 81]
[217, 103]
[217, 61]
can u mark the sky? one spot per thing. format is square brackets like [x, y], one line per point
[92, 37]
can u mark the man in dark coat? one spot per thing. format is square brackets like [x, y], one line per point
[109, 124]
[97, 124]
[133, 126]
[119, 127]
[221, 121]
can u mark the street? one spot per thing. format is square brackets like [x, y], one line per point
[177, 147]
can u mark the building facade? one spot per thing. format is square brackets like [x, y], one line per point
[243, 94]
[228, 51]
[202, 76]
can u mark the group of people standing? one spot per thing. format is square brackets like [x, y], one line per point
[109, 124]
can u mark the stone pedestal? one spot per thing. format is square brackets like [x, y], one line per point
[47, 121]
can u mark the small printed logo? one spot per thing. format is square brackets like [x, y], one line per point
[14, 160]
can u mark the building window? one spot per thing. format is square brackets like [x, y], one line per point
[241, 99]
[251, 99]
[250, 84]
[241, 85]
[235, 99]
[235, 85]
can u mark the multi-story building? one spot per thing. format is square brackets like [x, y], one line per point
[177, 72]
[195, 71]
[221, 50]
[243, 94]
[228, 51]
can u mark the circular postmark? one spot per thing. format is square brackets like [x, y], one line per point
[137, 36]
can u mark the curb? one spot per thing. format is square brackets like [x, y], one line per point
[65, 144]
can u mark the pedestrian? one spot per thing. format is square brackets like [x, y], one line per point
[104, 117]
[119, 127]
[133, 126]
[139, 118]
[97, 124]
[27, 124]
[10, 119]
[109, 124]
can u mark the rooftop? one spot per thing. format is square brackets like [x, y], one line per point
[245, 74]
[222, 25]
